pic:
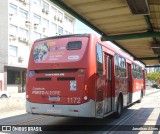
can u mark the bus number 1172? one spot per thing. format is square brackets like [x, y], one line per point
[74, 100]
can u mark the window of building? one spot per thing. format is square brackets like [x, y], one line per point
[45, 23]
[99, 59]
[37, 3]
[60, 15]
[36, 19]
[60, 30]
[53, 11]
[36, 35]
[13, 9]
[66, 32]
[23, 13]
[44, 36]
[13, 50]
[23, 33]
[54, 27]
[70, 22]
[13, 30]
[13, 77]
[65, 19]
[45, 5]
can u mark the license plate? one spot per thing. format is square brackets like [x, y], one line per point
[54, 98]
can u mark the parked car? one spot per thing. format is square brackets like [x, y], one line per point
[156, 85]
[4, 94]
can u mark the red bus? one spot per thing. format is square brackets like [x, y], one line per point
[78, 75]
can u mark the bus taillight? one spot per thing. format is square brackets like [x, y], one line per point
[27, 96]
[85, 93]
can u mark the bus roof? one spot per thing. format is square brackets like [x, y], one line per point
[63, 36]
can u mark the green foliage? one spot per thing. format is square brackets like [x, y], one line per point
[153, 77]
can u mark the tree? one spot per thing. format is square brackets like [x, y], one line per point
[153, 77]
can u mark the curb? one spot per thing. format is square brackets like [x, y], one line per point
[12, 113]
[155, 91]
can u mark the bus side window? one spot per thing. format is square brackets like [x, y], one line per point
[123, 66]
[133, 71]
[141, 73]
[99, 59]
[136, 70]
[116, 60]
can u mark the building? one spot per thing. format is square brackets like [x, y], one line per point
[152, 69]
[22, 22]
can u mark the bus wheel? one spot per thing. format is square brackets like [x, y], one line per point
[119, 108]
[3, 96]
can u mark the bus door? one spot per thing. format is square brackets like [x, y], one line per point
[129, 84]
[144, 81]
[108, 83]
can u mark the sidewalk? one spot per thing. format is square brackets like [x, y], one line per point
[150, 90]
[15, 105]
[16, 101]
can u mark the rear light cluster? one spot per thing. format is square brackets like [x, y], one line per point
[27, 96]
[86, 93]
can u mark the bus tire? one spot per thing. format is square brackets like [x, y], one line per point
[119, 108]
[4, 96]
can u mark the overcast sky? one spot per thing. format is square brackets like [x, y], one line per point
[81, 28]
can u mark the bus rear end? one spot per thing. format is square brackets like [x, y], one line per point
[56, 77]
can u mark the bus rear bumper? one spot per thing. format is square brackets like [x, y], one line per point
[82, 110]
